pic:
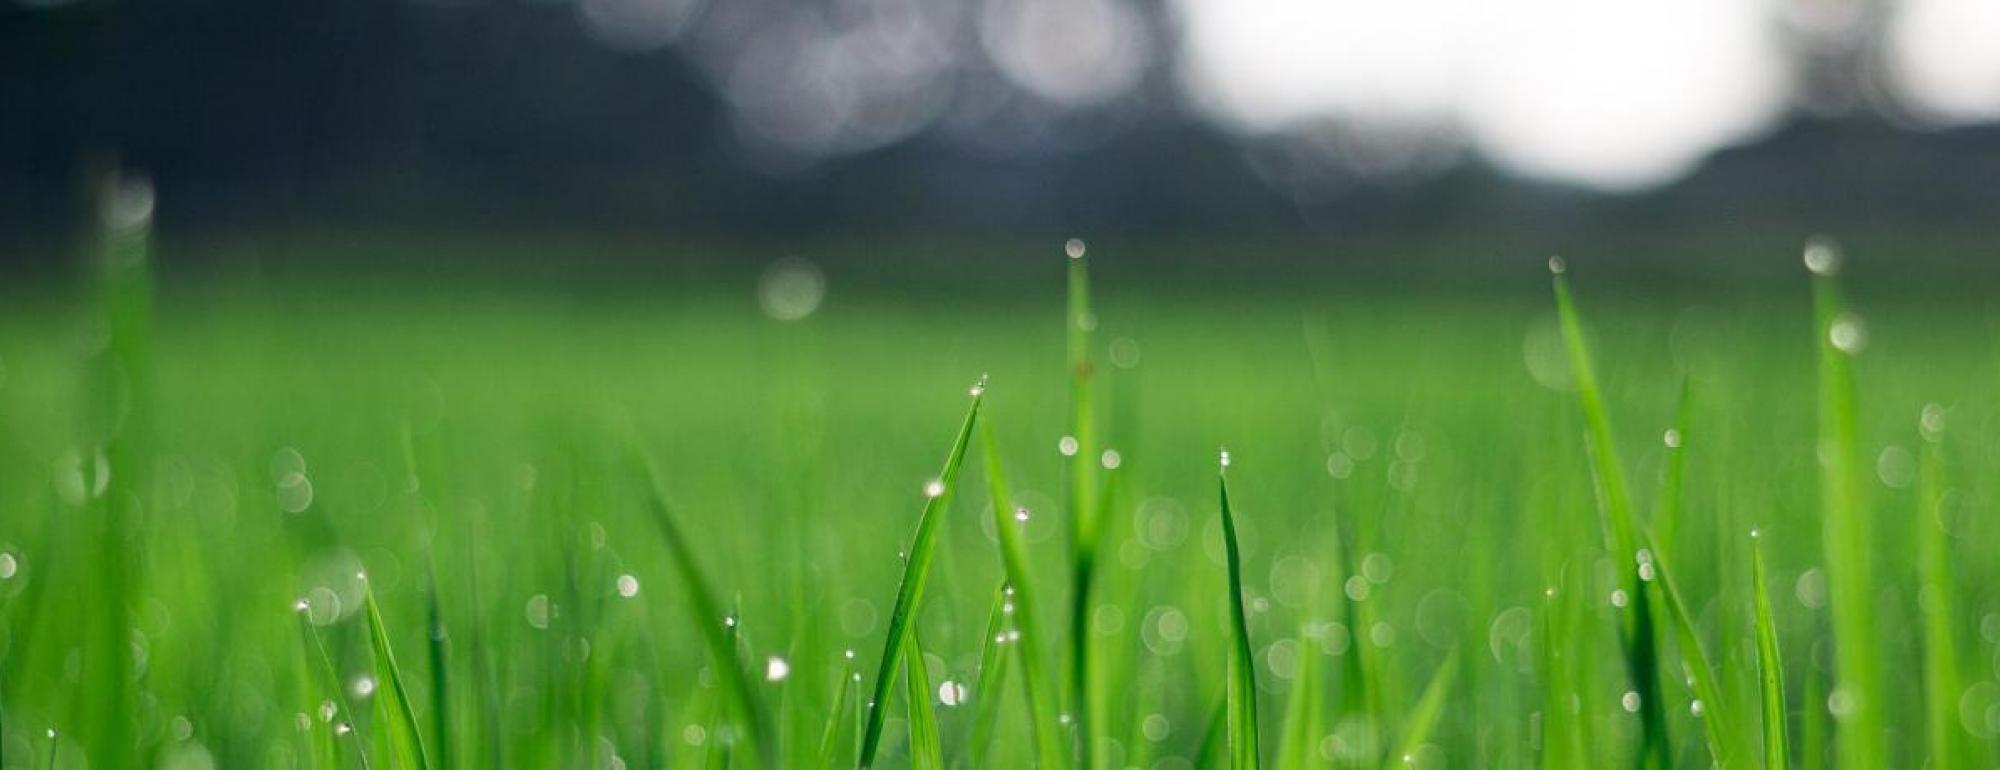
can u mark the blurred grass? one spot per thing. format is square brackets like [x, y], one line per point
[1439, 431]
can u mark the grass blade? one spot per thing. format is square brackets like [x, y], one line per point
[926, 748]
[1424, 718]
[1710, 706]
[1770, 666]
[1242, 683]
[1302, 711]
[1940, 598]
[706, 614]
[1042, 720]
[440, 660]
[1081, 447]
[993, 660]
[1846, 530]
[837, 721]
[407, 740]
[916, 572]
[1620, 530]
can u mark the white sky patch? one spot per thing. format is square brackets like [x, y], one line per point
[1616, 94]
[1944, 58]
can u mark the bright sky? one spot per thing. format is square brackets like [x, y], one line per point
[1608, 93]
[1617, 94]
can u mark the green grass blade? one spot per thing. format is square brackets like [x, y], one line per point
[1770, 665]
[1081, 447]
[1620, 528]
[1939, 600]
[1423, 719]
[916, 572]
[1300, 745]
[1042, 719]
[407, 739]
[1846, 527]
[993, 659]
[836, 722]
[926, 748]
[705, 613]
[345, 715]
[1667, 517]
[1242, 681]
[1717, 720]
[440, 660]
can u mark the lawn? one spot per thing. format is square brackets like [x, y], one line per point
[662, 528]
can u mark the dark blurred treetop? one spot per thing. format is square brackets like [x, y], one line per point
[268, 113]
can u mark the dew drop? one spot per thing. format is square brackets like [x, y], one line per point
[364, 687]
[1074, 247]
[1847, 333]
[1021, 514]
[1067, 446]
[934, 489]
[977, 388]
[1694, 708]
[9, 566]
[1630, 702]
[1822, 255]
[951, 693]
[776, 669]
[1557, 266]
[1618, 598]
[1672, 438]
[1110, 459]
[628, 586]
[729, 621]
[1223, 458]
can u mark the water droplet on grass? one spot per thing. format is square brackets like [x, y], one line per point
[1848, 334]
[1630, 702]
[538, 611]
[934, 489]
[1074, 247]
[951, 693]
[1822, 255]
[776, 669]
[1558, 266]
[628, 586]
[1067, 446]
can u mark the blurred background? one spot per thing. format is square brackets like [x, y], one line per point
[1429, 132]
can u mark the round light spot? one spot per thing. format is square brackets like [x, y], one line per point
[791, 289]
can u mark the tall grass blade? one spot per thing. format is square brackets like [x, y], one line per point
[836, 722]
[1242, 677]
[1770, 665]
[705, 613]
[1620, 527]
[916, 572]
[1430, 707]
[1080, 445]
[1938, 602]
[1845, 526]
[440, 660]
[1711, 707]
[1303, 709]
[1042, 719]
[993, 659]
[407, 740]
[926, 748]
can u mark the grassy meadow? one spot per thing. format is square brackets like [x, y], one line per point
[330, 524]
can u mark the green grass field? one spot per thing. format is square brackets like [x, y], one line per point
[670, 531]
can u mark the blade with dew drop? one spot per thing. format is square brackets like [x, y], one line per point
[916, 572]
